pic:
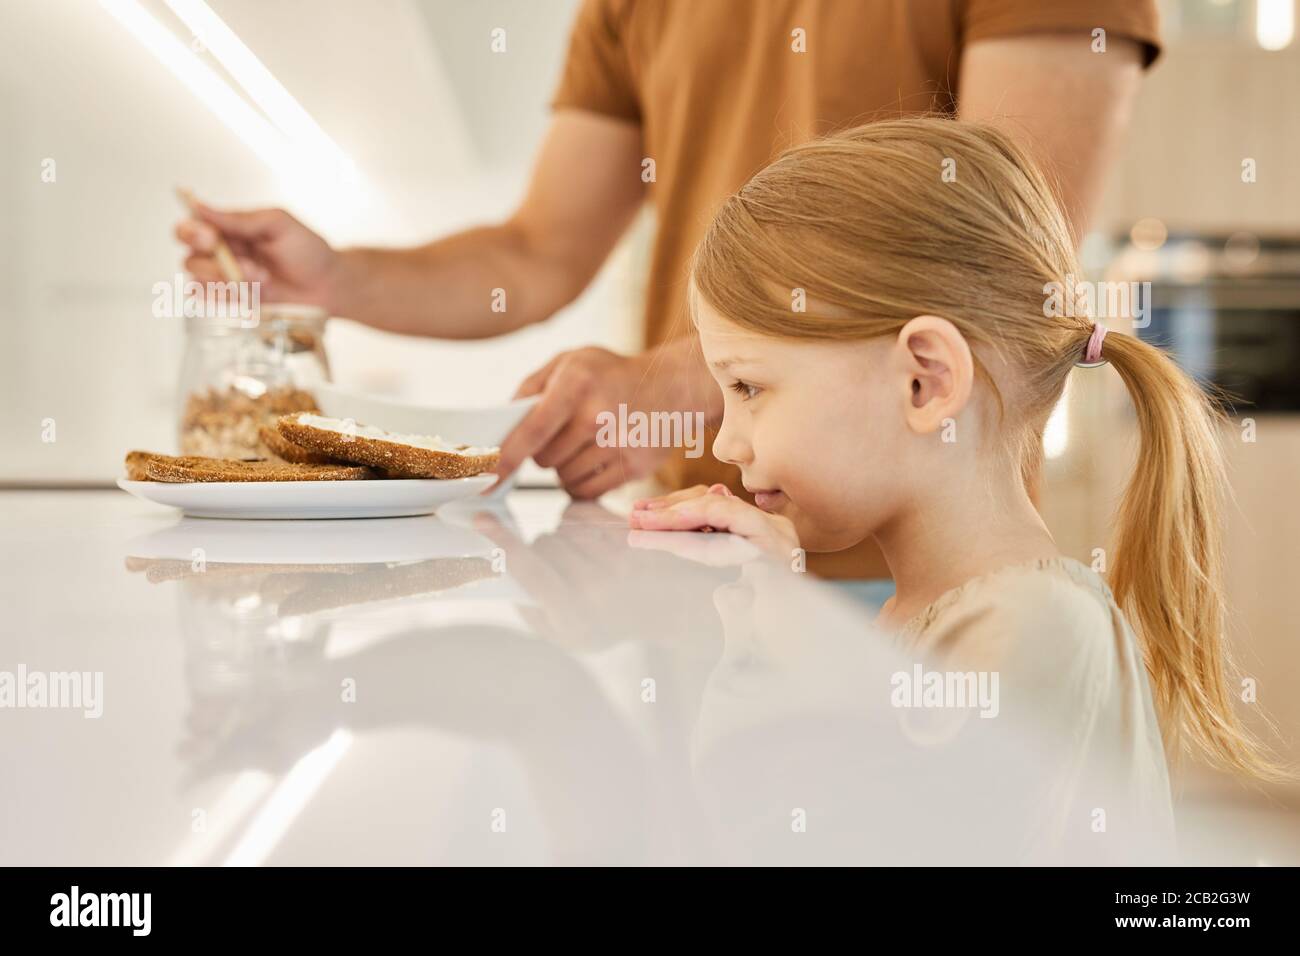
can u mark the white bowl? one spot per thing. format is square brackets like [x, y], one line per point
[487, 426]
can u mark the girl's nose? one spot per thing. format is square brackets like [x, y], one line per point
[729, 446]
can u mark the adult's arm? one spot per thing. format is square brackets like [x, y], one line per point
[1068, 105]
[584, 190]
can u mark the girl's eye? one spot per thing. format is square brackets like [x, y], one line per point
[745, 390]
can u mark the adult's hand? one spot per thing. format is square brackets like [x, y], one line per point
[561, 429]
[291, 262]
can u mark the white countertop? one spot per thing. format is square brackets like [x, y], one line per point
[528, 685]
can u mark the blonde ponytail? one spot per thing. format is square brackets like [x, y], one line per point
[1167, 575]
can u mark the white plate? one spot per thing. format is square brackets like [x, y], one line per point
[385, 498]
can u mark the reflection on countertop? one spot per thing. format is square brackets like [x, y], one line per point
[517, 682]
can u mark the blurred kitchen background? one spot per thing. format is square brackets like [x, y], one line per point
[106, 106]
[423, 131]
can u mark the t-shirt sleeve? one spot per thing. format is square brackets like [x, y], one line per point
[1136, 20]
[596, 75]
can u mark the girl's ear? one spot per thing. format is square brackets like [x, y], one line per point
[933, 363]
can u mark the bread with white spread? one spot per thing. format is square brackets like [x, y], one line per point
[400, 456]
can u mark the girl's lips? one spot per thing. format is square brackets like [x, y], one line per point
[769, 500]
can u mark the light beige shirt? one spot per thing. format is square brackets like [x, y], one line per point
[1070, 668]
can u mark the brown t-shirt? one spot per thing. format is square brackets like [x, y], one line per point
[719, 90]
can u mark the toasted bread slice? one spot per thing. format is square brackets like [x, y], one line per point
[400, 456]
[135, 465]
[285, 450]
[191, 468]
[137, 462]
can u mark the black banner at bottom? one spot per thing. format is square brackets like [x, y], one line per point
[338, 905]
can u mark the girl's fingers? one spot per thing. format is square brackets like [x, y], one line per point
[667, 519]
[665, 501]
[678, 513]
[668, 500]
[722, 513]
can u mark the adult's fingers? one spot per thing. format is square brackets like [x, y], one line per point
[598, 482]
[207, 269]
[535, 382]
[588, 462]
[575, 438]
[197, 234]
[203, 268]
[542, 423]
[250, 224]
[254, 271]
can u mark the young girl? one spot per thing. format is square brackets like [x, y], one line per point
[879, 330]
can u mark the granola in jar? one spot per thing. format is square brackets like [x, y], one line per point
[237, 378]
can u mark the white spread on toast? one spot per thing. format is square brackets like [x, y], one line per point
[430, 442]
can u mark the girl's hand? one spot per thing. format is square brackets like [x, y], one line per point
[664, 501]
[716, 509]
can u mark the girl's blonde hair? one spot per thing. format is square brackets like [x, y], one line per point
[910, 217]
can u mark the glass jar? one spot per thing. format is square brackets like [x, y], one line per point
[237, 377]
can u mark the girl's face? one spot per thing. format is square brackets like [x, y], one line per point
[817, 428]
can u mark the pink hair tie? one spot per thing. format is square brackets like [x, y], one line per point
[1092, 351]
